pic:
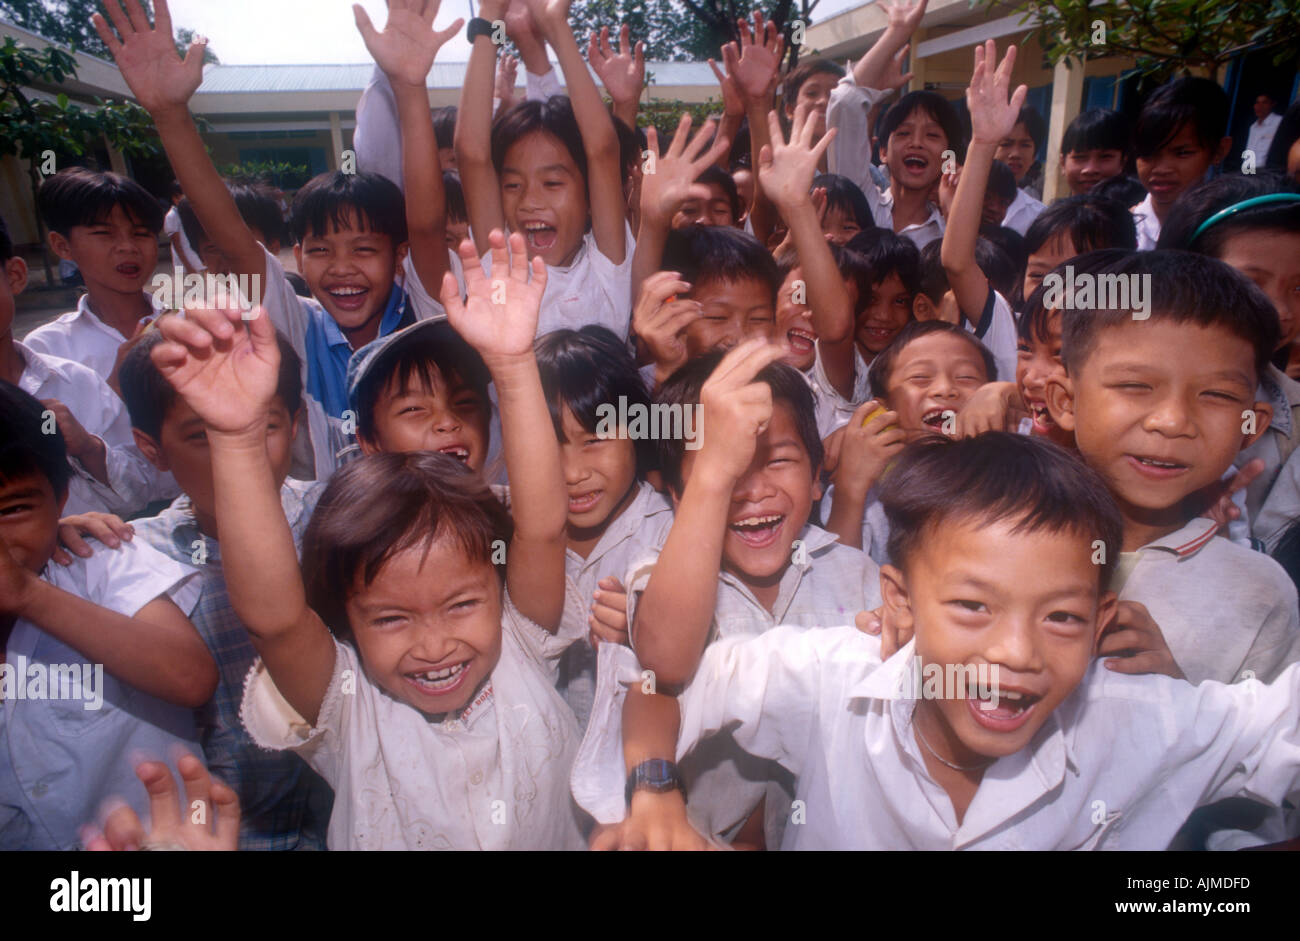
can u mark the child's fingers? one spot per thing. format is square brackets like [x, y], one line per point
[820, 147]
[164, 801]
[443, 35]
[120, 23]
[497, 249]
[261, 334]
[450, 296]
[675, 317]
[123, 829]
[71, 539]
[751, 357]
[471, 265]
[135, 13]
[226, 803]
[518, 255]
[678, 143]
[604, 633]
[364, 25]
[868, 621]
[106, 34]
[610, 583]
[182, 331]
[198, 809]
[1118, 641]
[215, 322]
[1148, 661]
[604, 838]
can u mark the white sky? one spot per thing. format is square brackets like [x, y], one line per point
[268, 32]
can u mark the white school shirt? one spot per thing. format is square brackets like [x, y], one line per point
[1282, 506]
[1279, 442]
[83, 338]
[60, 761]
[1225, 611]
[133, 481]
[643, 525]
[172, 226]
[996, 329]
[1148, 226]
[495, 777]
[1260, 136]
[1150, 748]
[833, 410]
[1024, 209]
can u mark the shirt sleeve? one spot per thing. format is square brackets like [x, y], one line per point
[850, 153]
[1277, 645]
[127, 578]
[541, 87]
[378, 136]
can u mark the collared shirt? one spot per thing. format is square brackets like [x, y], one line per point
[83, 338]
[59, 760]
[833, 410]
[1120, 764]
[494, 777]
[1260, 136]
[1024, 209]
[132, 481]
[1279, 442]
[283, 804]
[1148, 226]
[1225, 611]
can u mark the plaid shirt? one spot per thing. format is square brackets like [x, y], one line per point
[285, 805]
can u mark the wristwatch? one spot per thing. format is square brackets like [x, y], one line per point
[478, 27]
[656, 775]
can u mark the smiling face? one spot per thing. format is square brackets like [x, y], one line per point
[1157, 409]
[814, 93]
[1036, 361]
[350, 272]
[839, 225]
[29, 519]
[794, 329]
[1056, 251]
[544, 197]
[1270, 258]
[430, 413]
[599, 475]
[914, 151]
[116, 255]
[1016, 150]
[733, 311]
[1084, 169]
[887, 312]
[1026, 606]
[716, 210]
[1176, 166]
[932, 375]
[428, 628]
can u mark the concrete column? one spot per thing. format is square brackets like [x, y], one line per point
[336, 141]
[116, 162]
[916, 62]
[1067, 98]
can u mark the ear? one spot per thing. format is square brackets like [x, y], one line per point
[59, 245]
[1107, 607]
[817, 490]
[1060, 399]
[16, 275]
[297, 256]
[894, 594]
[1221, 152]
[923, 308]
[150, 449]
[402, 251]
[295, 421]
[367, 446]
[1263, 418]
[275, 247]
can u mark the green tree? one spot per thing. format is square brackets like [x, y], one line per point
[1164, 36]
[67, 22]
[48, 133]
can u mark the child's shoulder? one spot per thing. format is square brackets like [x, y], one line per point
[127, 578]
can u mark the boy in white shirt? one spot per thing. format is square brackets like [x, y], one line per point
[995, 538]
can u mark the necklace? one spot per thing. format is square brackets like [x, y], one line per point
[938, 757]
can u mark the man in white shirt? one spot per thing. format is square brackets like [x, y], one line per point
[1260, 136]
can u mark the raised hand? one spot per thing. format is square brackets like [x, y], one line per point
[756, 63]
[622, 74]
[660, 319]
[903, 14]
[868, 448]
[207, 820]
[499, 316]
[507, 74]
[736, 410]
[223, 370]
[733, 102]
[992, 113]
[147, 58]
[786, 170]
[654, 822]
[406, 48]
[672, 181]
[549, 15]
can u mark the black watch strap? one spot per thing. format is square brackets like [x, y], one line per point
[478, 27]
[657, 775]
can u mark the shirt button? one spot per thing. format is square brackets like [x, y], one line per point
[476, 778]
[39, 790]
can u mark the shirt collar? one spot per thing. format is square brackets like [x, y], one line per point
[648, 502]
[83, 311]
[936, 217]
[1189, 540]
[394, 311]
[1275, 393]
[36, 369]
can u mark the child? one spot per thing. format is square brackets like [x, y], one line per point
[401, 670]
[847, 211]
[109, 226]
[1017, 149]
[108, 635]
[720, 207]
[258, 208]
[107, 471]
[285, 805]
[998, 195]
[1160, 407]
[1094, 149]
[1070, 227]
[994, 539]
[809, 85]
[886, 297]
[183, 254]
[550, 170]
[1181, 133]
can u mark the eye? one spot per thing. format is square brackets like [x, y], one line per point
[1222, 395]
[466, 606]
[1065, 617]
[509, 187]
[16, 508]
[388, 620]
[1022, 349]
[966, 604]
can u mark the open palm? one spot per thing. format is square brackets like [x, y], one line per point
[147, 58]
[786, 171]
[408, 44]
[499, 314]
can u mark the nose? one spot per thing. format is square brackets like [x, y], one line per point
[575, 471]
[754, 486]
[1012, 644]
[445, 419]
[431, 644]
[1169, 417]
[943, 387]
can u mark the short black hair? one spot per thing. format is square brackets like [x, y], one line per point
[707, 253]
[805, 70]
[455, 197]
[1034, 124]
[25, 448]
[328, 200]
[846, 196]
[885, 252]
[78, 196]
[683, 388]
[1096, 129]
[585, 369]
[882, 367]
[1091, 221]
[996, 264]
[1183, 288]
[1010, 241]
[257, 204]
[1002, 181]
[1192, 100]
[720, 177]
[1208, 197]
[444, 126]
[934, 104]
[435, 348]
[1122, 188]
[994, 477]
[148, 396]
[6, 243]
[552, 116]
[383, 504]
[1034, 323]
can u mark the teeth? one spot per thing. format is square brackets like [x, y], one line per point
[535, 226]
[456, 452]
[1155, 463]
[347, 292]
[442, 677]
[757, 521]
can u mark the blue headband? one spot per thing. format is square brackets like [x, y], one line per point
[1235, 208]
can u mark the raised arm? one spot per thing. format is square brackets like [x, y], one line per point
[226, 369]
[405, 50]
[163, 83]
[599, 139]
[755, 66]
[992, 116]
[474, 135]
[622, 74]
[879, 65]
[499, 319]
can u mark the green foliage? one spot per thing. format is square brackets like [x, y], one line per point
[1164, 36]
[286, 176]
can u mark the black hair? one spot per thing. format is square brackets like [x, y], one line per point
[1010, 241]
[882, 367]
[846, 196]
[174, 189]
[1091, 221]
[434, 348]
[1284, 138]
[683, 387]
[148, 396]
[1122, 188]
[1096, 129]
[586, 369]
[885, 252]
[455, 197]
[383, 504]
[706, 253]
[1183, 288]
[1002, 181]
[805, 70]
[257, 204]
[328, 200]
[994, 477]
[996, 265]
[552, 116]
[937, 106]
[1033, 325]
[444, 126]
[25, 448]
[631, 144]
[1192, 100]
[720, 177]
[1034, 124]
[1208, 197]
[6, 243]
[78, 196]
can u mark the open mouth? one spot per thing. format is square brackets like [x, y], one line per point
[1041, 417]
[582, 503]
[1002, 710]
[540, 236]
[878, 336]
[1157, 468]
[935, 418]
[758, 532]
[459, 452]
[439, 682]
[129, 270]
[800, 340]
[915, 163]
[348, 297]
